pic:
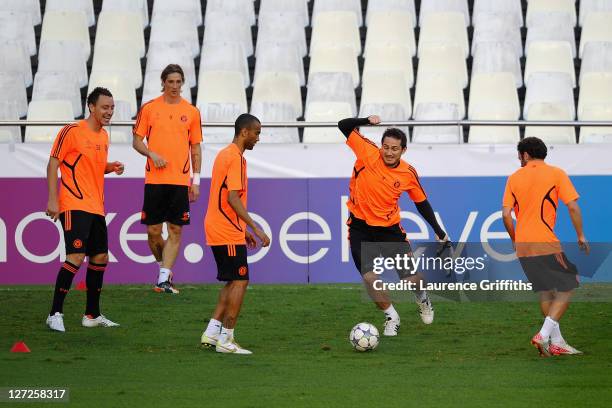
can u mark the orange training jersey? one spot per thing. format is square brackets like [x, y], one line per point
[377, 188]
[352, 203]
[170, 129]
[82, 154]
[229, 173]
[533, 192]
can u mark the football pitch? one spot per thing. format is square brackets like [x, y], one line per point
[476, 354]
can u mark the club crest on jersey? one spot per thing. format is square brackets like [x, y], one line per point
[184, 118]
[396, 184]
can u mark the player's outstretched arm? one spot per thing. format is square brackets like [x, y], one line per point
[52, 203]
[424, 208]
[233, 200]
[347, 125]
[576, 217]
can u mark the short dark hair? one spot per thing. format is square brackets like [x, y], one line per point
[93, 97]
[395, 133]
[172, 69]
[533, 146]
[244, 121]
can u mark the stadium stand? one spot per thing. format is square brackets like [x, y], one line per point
[288, 59]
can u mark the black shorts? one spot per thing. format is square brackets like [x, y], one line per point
[231, 262]
[84, 232]
[369, 242]
[165, 203]
[550, 272]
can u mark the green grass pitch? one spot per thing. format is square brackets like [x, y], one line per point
[476, 354]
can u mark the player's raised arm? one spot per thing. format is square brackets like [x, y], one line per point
[347, 125]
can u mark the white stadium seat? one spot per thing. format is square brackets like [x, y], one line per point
[268, 112]
[117, 56]
[593, 6]
[386, 88]
[493, 97]
[285, 6]
[331, 87]
[175, 28]
[392, 7]
[239, 7]
[550, 56]
[337, 29]
[437, 134]
[596, 58]
[439, 89]
[278, 57]
[118, 84]
[58, 86]
[443, 59]
[390, 29]
[14, 92]
[31, 7]
[392, 58]
[510, 9]
[17, 26]
[547, 6]
[325, 112]
[444, 6]
[498, 29]
[595, 103]
[551, 27]
[225, 57]
[190, 7]
[226, 27]
[121, 26]
[8, 111]
[66, 26]
[279, 87]
[47, 110]
[444, 29]
[340, 59]
[135, 6]
[492, 57]
[83, 6]
[282, 28]
[353, 6]
[120, 134]
[596, 27]
[15, 59]
[63, 56]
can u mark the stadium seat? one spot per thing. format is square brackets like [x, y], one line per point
[175, 28]
[340, 59]
[120, 134]
[592, 134]
[492, 57]
[493, 96]
[497, 29]
[596, 90]
[550, 6]
[593, 6]
[163, 54]
[388, 112]
[66, 26]
[551, 134]
[325, 112]
[391, 58]
[121, 26]
[134, 6]
[278, 87]
[225, 57]
[437, 134]
[47, 110]
[58, 86]
[224, 27]
[331, 87]
[391, 7]
[444, 6]
[385, 90]
[353, 6]
[270, 112]
[118, 83]
[63, 56]
[439, 89]
[278, 57]
[17, 26]
[596, 58]
[152, 87]
[14, 92]
[551, 27]
[117, 56]
[390, 29]
[442, 59]
[552, 88]
[8, 111]
[15, 59]
[31, 7]
[238, 7]
[444, 29]
[192, 8]
[550, 56]
[282, 28]
[337, 29]
[83, 6]
[510, 9]
[221, 98]
[285, 6]
[596, 27]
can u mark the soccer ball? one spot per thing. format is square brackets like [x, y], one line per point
[364, 337]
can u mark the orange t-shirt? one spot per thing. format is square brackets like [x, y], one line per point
[82, 154]
[377, 188]
[352, 203]
[170, 129]
[533, 192]
[229, 173]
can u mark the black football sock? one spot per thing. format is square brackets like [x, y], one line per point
[62, 286]
[94, 278]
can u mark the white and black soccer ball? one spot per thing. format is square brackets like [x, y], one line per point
[364, 337]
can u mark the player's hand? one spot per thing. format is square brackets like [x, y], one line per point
[374, 119]
[583, 244]
[265, 240]
[445, 247]
[53, 210]
[158, 161]
[117, 168]
[194, 192]
[251, 242]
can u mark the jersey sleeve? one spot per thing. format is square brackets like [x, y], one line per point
[141, 127]
[195, 129]
[415, 189]
[508, 199]
[364, 149]
[64, 142]
[235, 174]
[567, 192]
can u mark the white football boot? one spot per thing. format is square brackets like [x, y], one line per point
[209, 341]
[231, 347]
[426, 310]
[391, 326]
[98, 321]
[56, 322]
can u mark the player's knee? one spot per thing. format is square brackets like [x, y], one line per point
[100, 258]
[75, 259]
[174, 231]
[154, 231]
